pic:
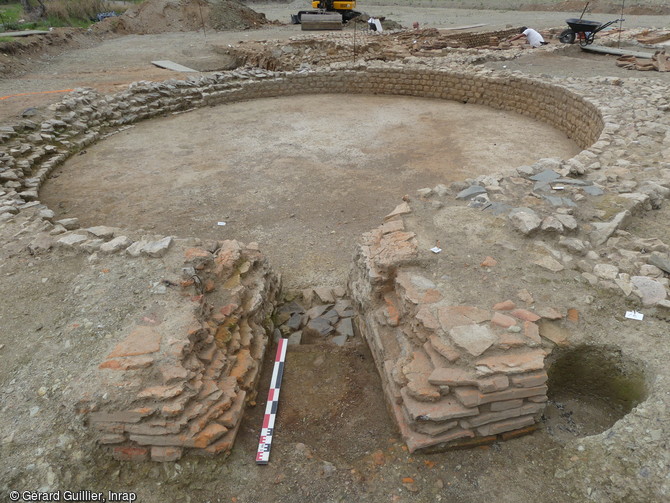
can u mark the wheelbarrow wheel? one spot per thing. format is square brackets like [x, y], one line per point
[567, 36]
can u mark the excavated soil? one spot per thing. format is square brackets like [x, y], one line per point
[335, 441]
[285, 171]
[160, 16]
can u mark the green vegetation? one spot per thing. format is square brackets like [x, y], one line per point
[44, 14]
[10, 14]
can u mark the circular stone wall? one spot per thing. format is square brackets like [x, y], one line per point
[304, 176]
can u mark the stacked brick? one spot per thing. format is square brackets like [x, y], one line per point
[452, 374]
[183, 383]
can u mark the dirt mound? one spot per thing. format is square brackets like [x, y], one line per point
[601, 6]
[159, 16]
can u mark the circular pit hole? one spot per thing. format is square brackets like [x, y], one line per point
[590, 389]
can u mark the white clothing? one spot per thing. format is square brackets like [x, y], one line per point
[533, 37]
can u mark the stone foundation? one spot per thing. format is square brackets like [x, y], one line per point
[453, 375]
[183, 383]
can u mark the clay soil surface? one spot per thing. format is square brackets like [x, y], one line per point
[59, 311]
[305, 176]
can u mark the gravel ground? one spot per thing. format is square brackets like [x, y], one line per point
[59, 311]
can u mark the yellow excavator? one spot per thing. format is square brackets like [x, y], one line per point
[326, 15]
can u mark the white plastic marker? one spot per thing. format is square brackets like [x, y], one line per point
[634, 315]
[265, 441]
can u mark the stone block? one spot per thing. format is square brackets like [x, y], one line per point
[506, 305]
[339, 340]
[128, 363]
[650, 291]
[157, 248]
[295, 338]
[525, 315]
[325, 295]
[345, 327]
[426, 316]
[452, 376]
[524, 220]
[442, 410]
[102, 231]
[557, 334]
[319, 327]
[502, 320]
[141, 341]
[529, 380]
[532, 332]
[130, 453]
[507, 404]
[116, 244]
[512, 363]
[166, 454]
[69, 223]
[401, 209]
[449, 317]
[508, 425]
[475, 339]
[444, 348]
[161, 392]
[71, 240]
[493, 383]
[549, 263]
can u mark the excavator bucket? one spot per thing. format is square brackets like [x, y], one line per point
[321, 21]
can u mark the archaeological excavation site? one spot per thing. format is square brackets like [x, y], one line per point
[448, 250]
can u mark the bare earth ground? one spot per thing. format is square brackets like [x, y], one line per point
[59, 311]
[306, 176]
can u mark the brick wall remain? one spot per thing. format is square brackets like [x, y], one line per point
[453, 375]
[183, 384]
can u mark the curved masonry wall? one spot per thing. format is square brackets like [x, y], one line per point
[86, 117]
[35, 149]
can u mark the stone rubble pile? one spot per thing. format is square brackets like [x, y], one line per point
[579, 224]
[323, 314]
[183, 383]
[317, 50]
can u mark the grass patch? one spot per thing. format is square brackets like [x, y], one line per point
[59, 13]
[10, 15]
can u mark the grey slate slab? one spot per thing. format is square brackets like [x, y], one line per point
[471, 191]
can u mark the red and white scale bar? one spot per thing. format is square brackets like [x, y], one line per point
[265, 441]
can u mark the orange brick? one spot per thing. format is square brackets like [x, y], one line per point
[130, 453]
[212, 432]
[392, 310]
[130, 363]
[506, 305]
[502, 320]
[141, 341]
[524, 314]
